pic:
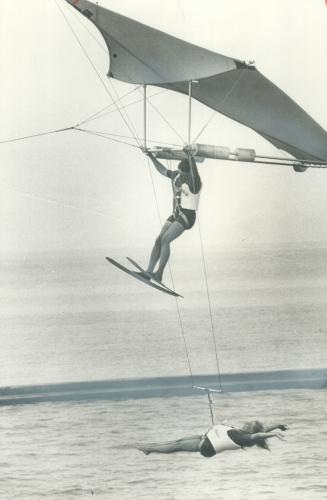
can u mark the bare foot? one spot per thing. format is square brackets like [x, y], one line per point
[145, 451]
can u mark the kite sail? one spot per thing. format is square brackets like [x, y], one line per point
[140, 54]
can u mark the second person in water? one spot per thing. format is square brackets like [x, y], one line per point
[220, 438]
[186, 186]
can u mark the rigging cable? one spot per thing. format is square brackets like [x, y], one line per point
[202, 252]
[228, 93]
[93, 117]
[123, 109]
[104, 136]
[97, 115]
[166, 121]
[39, 134]
[210, 309]
[172, 279]
[132, 130]
[176, 300]
[169, 266]
[106, 51]
[93, 66]
[119, 109]
[55, 202]
[110, 136]
[104, 48]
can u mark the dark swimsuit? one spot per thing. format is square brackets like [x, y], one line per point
[184, 216]
[207, 450]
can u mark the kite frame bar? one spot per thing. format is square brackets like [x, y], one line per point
[208, 390]
[178, 154]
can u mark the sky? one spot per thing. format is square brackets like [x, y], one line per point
[72, 191]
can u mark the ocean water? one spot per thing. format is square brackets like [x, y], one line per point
[86, 450]
[75, 318]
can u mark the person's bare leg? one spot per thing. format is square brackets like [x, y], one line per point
[155, 253]
[175, 230]
[190, 444]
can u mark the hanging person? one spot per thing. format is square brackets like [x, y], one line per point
[220, 438]
[186, 185]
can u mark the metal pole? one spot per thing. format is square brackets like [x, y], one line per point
[210, 406]
[292, 160]
[208, 390]
[189, 111]
[144, 110]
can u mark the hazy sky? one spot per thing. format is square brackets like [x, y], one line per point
[71, 190]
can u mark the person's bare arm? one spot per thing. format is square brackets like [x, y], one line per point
[195, 184]
[266, 435]
[270, 428]
[159, 166]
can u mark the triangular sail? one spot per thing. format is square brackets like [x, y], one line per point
[140, 54]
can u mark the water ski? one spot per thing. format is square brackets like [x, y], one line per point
[138, 276]
[143, 271]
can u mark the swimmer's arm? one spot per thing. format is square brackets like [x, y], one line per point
[270, 428]
[266, 435]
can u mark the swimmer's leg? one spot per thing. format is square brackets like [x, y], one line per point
[190, 444]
